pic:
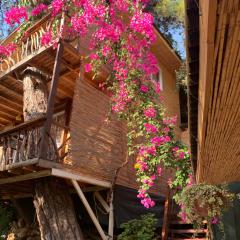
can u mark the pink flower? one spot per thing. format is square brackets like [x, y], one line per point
[153, 177]
[141, 193]
[150, 128]
[183, 216]
[151, 150]
[39, 9]
[190, 180]
[144, 88]
[143, 24]
[157, 87]
[175, 149]
[93, 56]
[57, 6]
[6, 51]
[147, 202]
[215, 220]
[159, 171]
[16, 15]
[150, 112]
[169, 181]
[166, 130]
[106, 50]
[88, 67]
[160, 140]
[181, 155]
[46, 38]
[170, 120]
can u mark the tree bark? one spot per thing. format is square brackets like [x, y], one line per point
[55, 211]
[54, 207]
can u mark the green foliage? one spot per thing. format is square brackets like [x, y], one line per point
[199, 198]
[139, 229]
[169, 18]
[171, 9]
[181, 77]
[6, 217]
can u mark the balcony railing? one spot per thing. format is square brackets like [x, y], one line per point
[20, 145]
[28, 46]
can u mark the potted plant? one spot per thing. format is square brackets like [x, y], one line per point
[204, 202]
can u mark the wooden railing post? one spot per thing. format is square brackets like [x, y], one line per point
[166, 216]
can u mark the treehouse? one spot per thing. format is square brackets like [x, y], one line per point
[71, 139]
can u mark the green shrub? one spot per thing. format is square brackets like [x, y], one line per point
[6, 217]
[139, 229]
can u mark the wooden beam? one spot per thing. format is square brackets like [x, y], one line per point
[25, 177]
[21, 126]
[10, 110]
[17, 196]
[3, 120]
[71, 50]
[6, 114]
[111, 218]
[93, 189]
[65, 90]
[102, 201]
[89, 209]
[21, 164]
[51, 101]
[11, 103]
[11, 91]
[69, 66]
[79, 177]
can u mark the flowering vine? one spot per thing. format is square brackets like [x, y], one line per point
[121, 34]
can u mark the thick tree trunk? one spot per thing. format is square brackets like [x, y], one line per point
[55, 211]
[54, 208]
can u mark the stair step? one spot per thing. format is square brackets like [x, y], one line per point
[182, 222]
[189, 238]
[188, 231]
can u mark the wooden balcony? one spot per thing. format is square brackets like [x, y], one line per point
[20, 145]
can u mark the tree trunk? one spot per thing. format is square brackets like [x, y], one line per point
[54, 208]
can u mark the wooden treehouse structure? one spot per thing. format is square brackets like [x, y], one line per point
[71, 139]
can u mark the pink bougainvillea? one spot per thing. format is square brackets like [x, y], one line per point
[150, 112]
[39, 9]
[16, 15]
[46, 38]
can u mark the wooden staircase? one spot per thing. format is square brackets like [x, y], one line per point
[175, 229]
[179, 230]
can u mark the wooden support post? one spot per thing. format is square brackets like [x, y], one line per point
[166, 216]
[65, 133]
[51, 100]
[111, 218]
[102, 201]
[89, 210]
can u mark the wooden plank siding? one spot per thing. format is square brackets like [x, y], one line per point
[218, 128]
[97, 148]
